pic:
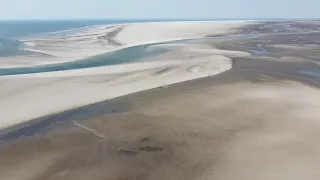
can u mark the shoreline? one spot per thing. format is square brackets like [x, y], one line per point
[126, 41]
[53, 94]
[24, 129]
[26, 123]
[260, 114]
[154, 44]
[21, 130]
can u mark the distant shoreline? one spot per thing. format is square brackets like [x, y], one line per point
[166, 20]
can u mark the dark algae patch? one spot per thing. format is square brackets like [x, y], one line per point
[150, 149]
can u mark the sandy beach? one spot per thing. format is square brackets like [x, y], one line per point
[52, 92]
[232, 108]
[94, 40]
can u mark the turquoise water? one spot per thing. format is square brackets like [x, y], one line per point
[126, 55]
[12, 31]
[122, 56]
[10, 45]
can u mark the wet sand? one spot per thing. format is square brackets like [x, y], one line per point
[259, 120]
[60, 87]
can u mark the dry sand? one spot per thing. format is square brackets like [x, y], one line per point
[225, 127]
[99, 39]
[259, 120]
[47, 93]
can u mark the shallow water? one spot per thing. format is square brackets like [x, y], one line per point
[41, 124]
[10, 47]
[12, 31]
[261, 50]
[312, 73]
[122, 56]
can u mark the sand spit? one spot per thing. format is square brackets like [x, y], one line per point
[259, 120]
[52, 92]
[47, 93]
[99, 39]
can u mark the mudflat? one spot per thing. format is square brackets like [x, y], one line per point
[259, 120]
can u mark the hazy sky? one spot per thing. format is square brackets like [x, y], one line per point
[163, 9]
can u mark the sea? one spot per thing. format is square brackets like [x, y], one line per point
[21, 28]
[12, 31]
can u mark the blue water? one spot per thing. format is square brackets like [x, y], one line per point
[16, 29]
[314, 73]
[122, 56]
[11, 46]
[12, 31]
[126, 55]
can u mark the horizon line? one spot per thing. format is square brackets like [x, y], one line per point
[162, 19]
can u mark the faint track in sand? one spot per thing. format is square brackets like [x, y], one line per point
[89, 129]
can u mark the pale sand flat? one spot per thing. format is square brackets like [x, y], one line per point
[95, 40]
[53, 92]
[223, 128]
[47, 93]
[259, 120]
